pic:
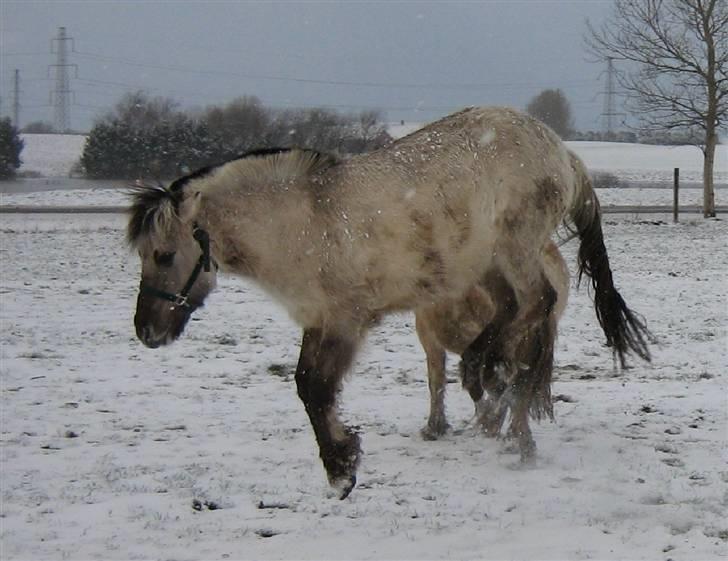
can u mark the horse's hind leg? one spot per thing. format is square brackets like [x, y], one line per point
[437, 424]
[529, 393]
[323, 361]
[483, 360]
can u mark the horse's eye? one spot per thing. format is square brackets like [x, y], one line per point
[164, 259]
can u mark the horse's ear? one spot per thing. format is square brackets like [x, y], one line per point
[189, 207]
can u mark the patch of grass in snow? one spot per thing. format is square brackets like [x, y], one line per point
[281, 370]
[44, 354]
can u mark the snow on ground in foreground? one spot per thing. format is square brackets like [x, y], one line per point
[51, 155]
[106, 445]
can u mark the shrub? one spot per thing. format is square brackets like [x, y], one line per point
[116, 150]
[11, 145]
[606, 180]
[149, 138]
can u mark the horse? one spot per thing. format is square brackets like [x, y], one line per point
[452, 326]
[342, 243]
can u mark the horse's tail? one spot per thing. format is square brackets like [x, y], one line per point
[625, 330]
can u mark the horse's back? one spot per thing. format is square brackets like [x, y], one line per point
[426, 216]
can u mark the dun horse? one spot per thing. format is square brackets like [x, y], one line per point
[342, 243]
[452, 326]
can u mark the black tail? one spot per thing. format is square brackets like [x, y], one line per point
[625, 330]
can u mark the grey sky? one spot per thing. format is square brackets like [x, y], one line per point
[414, 60]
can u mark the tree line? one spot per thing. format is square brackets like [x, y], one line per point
[149, 137]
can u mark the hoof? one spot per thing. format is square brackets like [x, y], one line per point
[528, 451]
[429, 435]
[341, 462]
[509, 447]
[490, 419]
[434, 432]
[344, 486]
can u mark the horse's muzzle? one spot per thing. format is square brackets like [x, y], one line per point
[151, 339]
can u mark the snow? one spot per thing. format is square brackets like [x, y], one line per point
[643, 162]
[51, 155]
[202, 450]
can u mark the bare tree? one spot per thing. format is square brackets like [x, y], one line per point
[678, 76]
[552, 107]
[241, 124]
[142, 112]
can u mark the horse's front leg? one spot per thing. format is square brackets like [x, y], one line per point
[437, 424]
[324, 359]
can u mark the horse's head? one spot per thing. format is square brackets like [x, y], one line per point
[177, 269]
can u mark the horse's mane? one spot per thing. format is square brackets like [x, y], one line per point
[154, 207]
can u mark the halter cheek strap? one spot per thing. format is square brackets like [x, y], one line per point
[203, 263]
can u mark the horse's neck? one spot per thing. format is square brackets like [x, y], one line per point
[250, 225]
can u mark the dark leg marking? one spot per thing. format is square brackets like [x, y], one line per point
[323, 361]
[485, 353]
[530, 391]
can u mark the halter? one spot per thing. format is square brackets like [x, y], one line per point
[180, 298]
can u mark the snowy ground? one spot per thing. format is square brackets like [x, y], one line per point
[51, 155]
[202, 450]
[647, 163]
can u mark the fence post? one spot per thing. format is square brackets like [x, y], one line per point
[675, 189]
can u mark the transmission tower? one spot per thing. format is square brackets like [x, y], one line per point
[609, 109]
[16, 99]
[62, 94]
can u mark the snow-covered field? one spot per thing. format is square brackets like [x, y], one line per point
[51, 155]
[202, 450]
[646, 163]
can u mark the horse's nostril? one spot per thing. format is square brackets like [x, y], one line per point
[143, 333]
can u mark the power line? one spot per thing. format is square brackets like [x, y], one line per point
[16, 99]
[370, 84]
[22, 54]
[609, 110]
[62, 94]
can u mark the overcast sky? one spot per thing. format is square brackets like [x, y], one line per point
[415, 61]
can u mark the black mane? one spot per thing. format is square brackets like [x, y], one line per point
[146, 200]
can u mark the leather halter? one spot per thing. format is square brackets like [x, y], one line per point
[203, 263]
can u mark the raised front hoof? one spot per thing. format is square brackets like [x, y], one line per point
[341, 463]
[343, 486]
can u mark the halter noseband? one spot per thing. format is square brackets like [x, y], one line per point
[203, 263]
